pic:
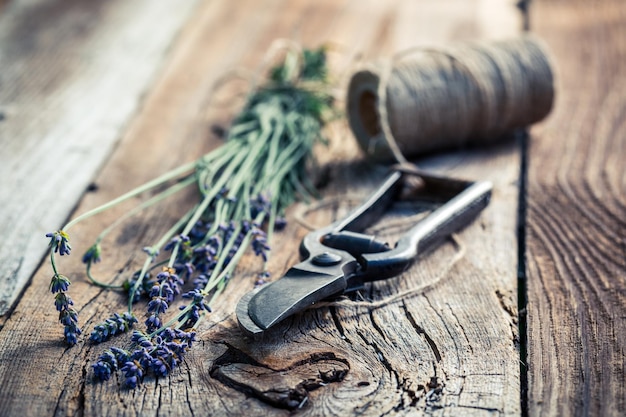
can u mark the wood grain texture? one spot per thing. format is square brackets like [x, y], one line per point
[73, 74]
[450, 349]
[576, 228]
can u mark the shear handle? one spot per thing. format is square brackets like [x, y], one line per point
[429, 232]
[373, 208]
[360, 218]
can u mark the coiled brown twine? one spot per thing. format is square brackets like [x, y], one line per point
[435, 99]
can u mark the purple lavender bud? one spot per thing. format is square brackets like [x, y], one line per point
[261, 278]
[59, 283]
[172, 243]
[153, 322]
[72, 331]
[142, 357]
[201, 281]
[68, 316]
[187, 268]
[167, 292]
[133, 373]
[140, 338]
[109, 361]
[157, 305]
[121, 355]
[62, 301]
[112, 326]
[60, 242]
[102, 371]
[167, 275]
[198, 231]
[260, 204]
[180, 239]
[280, 223]
[152, 252]
[93, 254]
[158, 367]
[155, 290]
[259, 243]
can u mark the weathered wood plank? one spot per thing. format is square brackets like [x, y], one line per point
[450, 349]
[73, 74]
[576, 217]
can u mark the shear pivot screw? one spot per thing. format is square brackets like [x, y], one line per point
[326, 259]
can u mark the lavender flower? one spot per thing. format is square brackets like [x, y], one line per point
[169, 276]
[112, 326]
[162, 293]
[186, 268]
[199, 230]
[261, 204]
[259, 243]
[59, 283]
[261, 278]
[59, 242]
[201, 281]
[205, 256]
[280, 223]
[63, 304]
[143, 289]
[69, 318]
[159, 355]
[195, 308]
[162, 290]
[275, 179]
[157, 305]
[133, 373]
[106, 364]
[152, 252]
[141, 339]
[153, 322]
[93, 254]
[109, 361]
[180, 240]
[62, 301]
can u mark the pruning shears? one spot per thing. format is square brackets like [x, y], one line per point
[339, 259]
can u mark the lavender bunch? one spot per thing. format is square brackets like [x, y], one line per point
[158, 355]
[244, 188]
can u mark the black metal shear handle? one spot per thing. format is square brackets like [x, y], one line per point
[377, 261]
[428, 233]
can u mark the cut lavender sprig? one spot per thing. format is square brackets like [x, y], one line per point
[119, 323]
[59, 284]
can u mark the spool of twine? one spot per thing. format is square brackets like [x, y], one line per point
[435, 99]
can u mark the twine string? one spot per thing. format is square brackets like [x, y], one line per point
[428, 99]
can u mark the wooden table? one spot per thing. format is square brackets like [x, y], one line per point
[526, 317]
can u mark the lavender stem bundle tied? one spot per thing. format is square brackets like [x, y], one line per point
[244, 187]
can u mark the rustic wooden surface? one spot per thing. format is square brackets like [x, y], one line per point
[451, 349]
[72, 75]
[576, 224]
